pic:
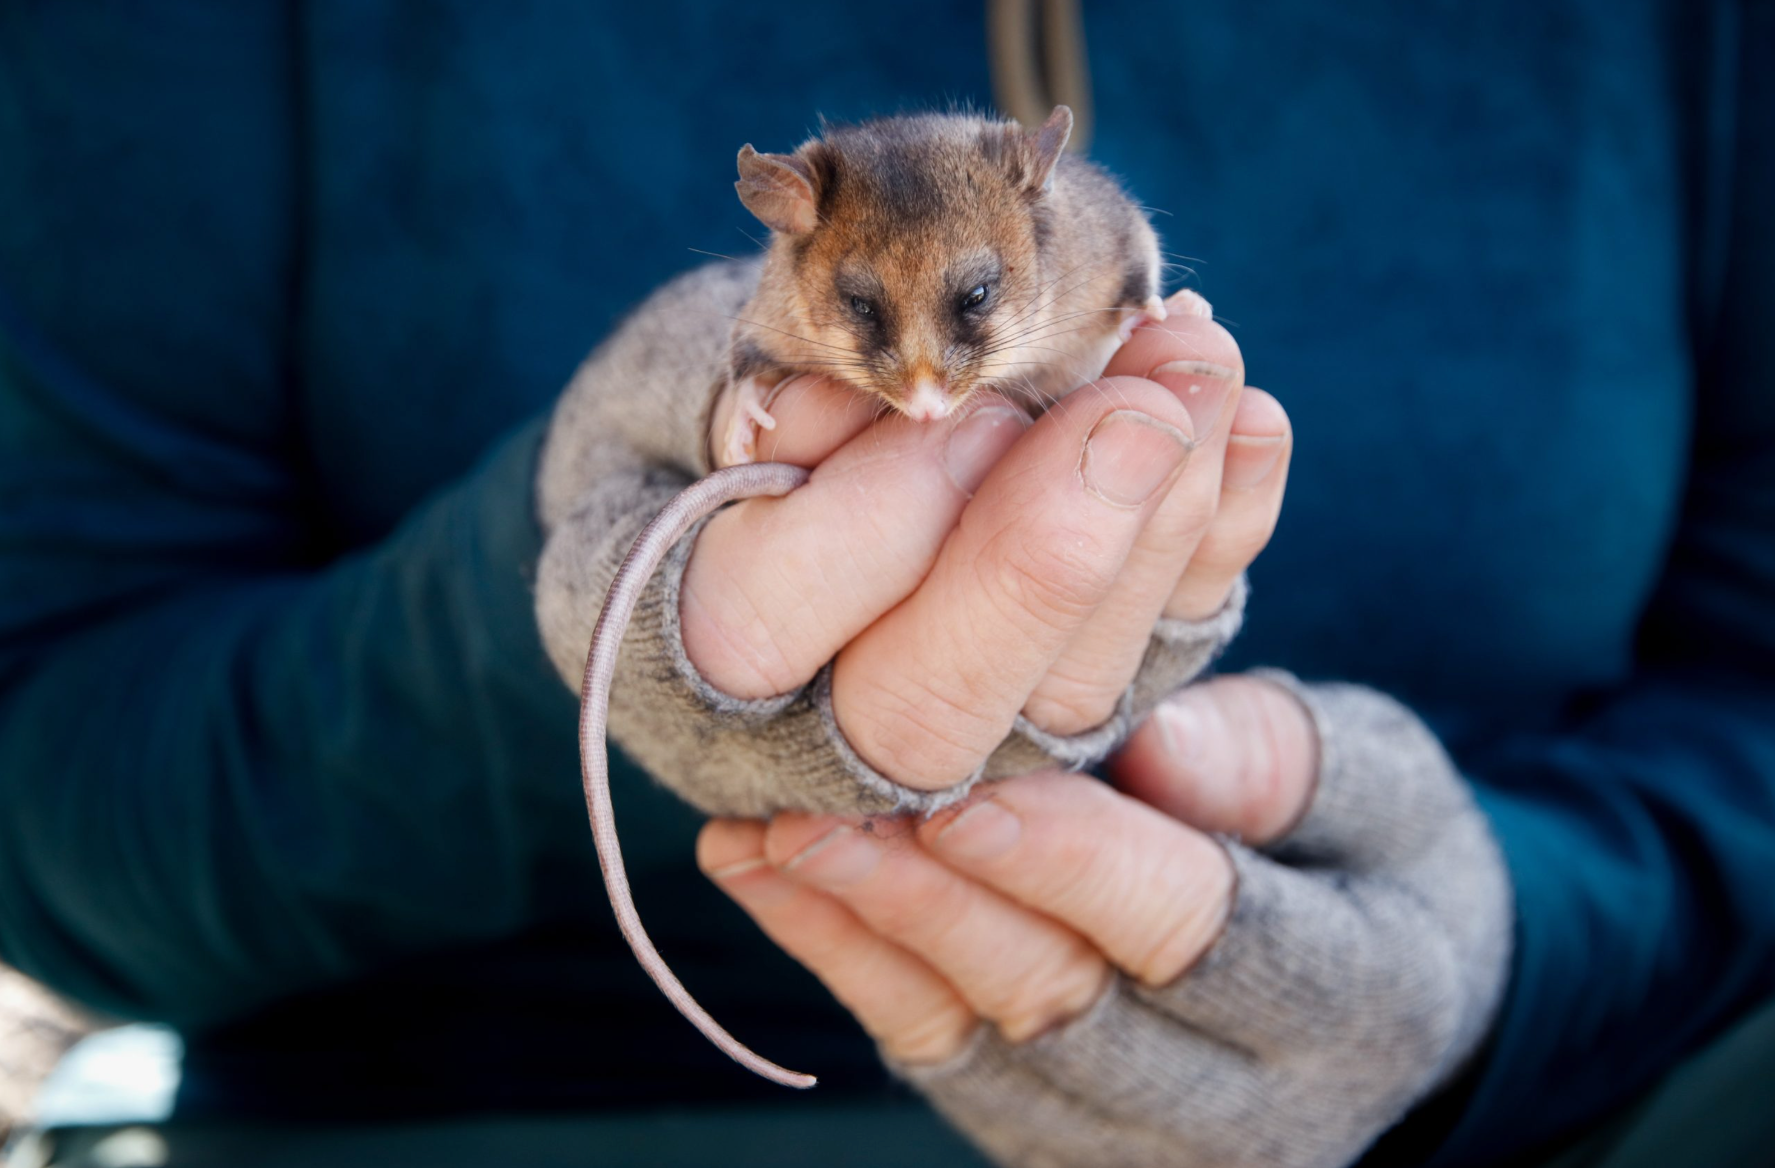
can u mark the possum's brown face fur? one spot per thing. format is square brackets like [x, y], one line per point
[915, 273]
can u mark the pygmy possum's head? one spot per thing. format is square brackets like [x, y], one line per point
[906, 255]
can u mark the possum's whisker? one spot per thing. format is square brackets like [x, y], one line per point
[787, 333]
[1047, 299]
[1046, 400]
[1025, 322]
[1036, 333]
[1046, 329]
[1027, 329]
[1037, 302]
[1036, 342]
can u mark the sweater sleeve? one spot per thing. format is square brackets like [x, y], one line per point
[253, 782]
[251, 741]
[1641, 838]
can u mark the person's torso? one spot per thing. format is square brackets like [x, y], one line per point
[1454, 244]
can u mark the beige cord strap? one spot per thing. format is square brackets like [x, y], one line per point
[1036, 49]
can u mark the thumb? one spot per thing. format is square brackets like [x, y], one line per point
[1236, 755]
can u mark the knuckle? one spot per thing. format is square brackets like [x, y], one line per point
[1155, 910]
[1092, 872]
[932, 1037]
[930, 921]
[913, 732]
[1193, 921]
[1267, 742]
[737, 615]
[823, 950]
[1234, 539]
[1046, 998]
[722, 842]
[735, 643]
[1072, 700]
[1190, 511]
[1177, 947]
[1057, 582]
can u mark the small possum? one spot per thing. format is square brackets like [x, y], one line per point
[919, 259]
[923, 258]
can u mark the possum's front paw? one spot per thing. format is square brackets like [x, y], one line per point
[742, 415]
[1182, 302]
[1151, 312]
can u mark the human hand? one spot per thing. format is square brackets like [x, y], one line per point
[964, 599]
[1078, 976]
[958, 576]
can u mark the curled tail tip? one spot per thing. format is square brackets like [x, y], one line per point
[759, 1065]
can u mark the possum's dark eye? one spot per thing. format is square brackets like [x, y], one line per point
[862, 307]
[976, 298]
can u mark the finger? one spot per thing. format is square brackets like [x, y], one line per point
[928, 691]
[1192, 356]
[814, 417]
[902, 1003]
[775, 586]
[1385, 795]
[1235, 755]
[1150, 893]
[1199, 363]
[810, 417]
[1253, 480]
[1389, 914]
[1015, 967]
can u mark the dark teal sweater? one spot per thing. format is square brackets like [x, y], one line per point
[284, 289]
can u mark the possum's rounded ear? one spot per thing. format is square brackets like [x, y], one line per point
[1028, 157]
[1046, 146]
[779, 189]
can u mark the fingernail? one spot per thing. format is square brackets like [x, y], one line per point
[1249, 461]
[840, 857]
[1188, 303]
[984, 831]
[979, 441]
[1129, 456]
[1202, 386]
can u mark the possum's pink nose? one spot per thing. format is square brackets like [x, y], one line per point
[928, 400]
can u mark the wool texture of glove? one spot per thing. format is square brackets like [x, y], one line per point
[1361, 966]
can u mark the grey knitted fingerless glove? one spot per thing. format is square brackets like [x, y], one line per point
[629, 433]
[1361, 966]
